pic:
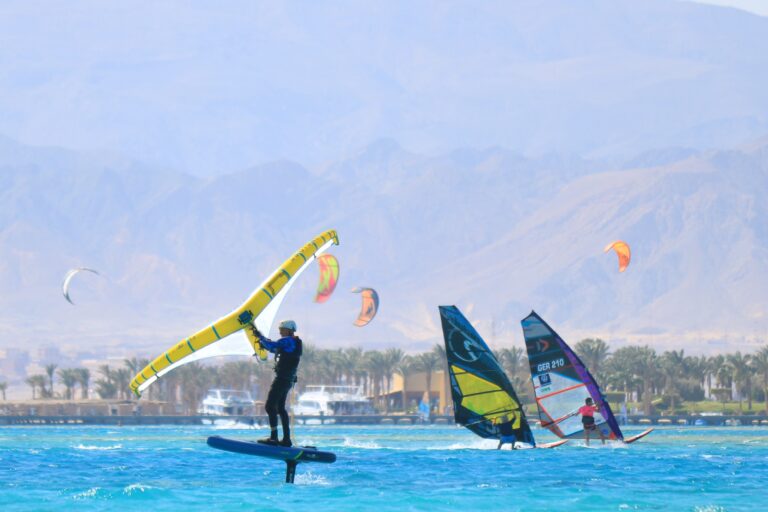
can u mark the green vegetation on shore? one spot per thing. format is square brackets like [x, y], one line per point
[652, 383]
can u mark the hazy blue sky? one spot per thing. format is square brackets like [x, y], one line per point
[213, 87]
[756, 6]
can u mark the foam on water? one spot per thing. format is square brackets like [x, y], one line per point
[234, 425]
[136, 488]
[470, 444]
[609, 445]
[90, 493]
[102, 448]
[366, 445]
[310, 478]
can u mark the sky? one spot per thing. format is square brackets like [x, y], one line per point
[213, 88]
[759, 7]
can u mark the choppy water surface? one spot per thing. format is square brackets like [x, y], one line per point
[379, 468]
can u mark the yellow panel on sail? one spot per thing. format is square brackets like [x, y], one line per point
[263, 302]
[484, 397]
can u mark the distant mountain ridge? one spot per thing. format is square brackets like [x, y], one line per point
[488, 230]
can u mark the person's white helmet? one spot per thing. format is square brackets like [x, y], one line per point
[288, 324]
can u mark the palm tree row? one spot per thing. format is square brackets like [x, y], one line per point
[70, 378]
[639, 373]
[372, 370]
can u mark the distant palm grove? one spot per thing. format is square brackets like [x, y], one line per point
[655, 383]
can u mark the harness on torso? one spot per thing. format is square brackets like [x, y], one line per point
[287, 363]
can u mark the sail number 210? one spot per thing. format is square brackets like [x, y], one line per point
[550, 365]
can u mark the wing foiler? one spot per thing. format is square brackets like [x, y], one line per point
[228, 335]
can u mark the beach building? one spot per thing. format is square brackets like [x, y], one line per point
[415, 385]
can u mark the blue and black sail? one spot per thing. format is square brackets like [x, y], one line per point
[483, 397]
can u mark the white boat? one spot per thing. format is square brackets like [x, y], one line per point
[332, 401]
[227, 402]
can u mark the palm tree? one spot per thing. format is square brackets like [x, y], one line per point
[325, 366]
[352, 359]
[236, 375]
[106, 387]
[195, 381]
[760, 363]
[724, 376]
[406, 367]
[337, 363]
[308, 370]
[697, 370]
[672, 367]
[427, 362]
[37, 382]
[392, 358]
[31, 383]
[714, 364]
[134, 365]
[122, 378]
[439, 350]
[375, 362]
[3, 387]
[646, 368]
[84, 379]
[50, 369]
[622, 369]
[513, 361]
[593, 352]
[263, 375]
[169, 386]
[742, 375]
[68, 377]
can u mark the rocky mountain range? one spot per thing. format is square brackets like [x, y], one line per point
[489, 230]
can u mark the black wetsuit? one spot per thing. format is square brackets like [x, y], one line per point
[508, 433]
[285, 377]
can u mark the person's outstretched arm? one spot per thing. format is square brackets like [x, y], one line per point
[267, 343]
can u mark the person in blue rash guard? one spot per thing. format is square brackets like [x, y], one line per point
[287, 352]
[509, 430]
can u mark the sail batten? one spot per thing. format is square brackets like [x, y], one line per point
[561, 383]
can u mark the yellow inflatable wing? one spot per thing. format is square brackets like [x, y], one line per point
[227, 336]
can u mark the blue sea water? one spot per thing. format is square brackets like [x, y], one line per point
[380, 468]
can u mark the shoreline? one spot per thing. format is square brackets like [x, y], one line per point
[375, 419]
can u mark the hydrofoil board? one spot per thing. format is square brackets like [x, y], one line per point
[291, 455]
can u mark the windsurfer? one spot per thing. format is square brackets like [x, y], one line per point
[587, 412]
[509, 434]
[288, 351]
